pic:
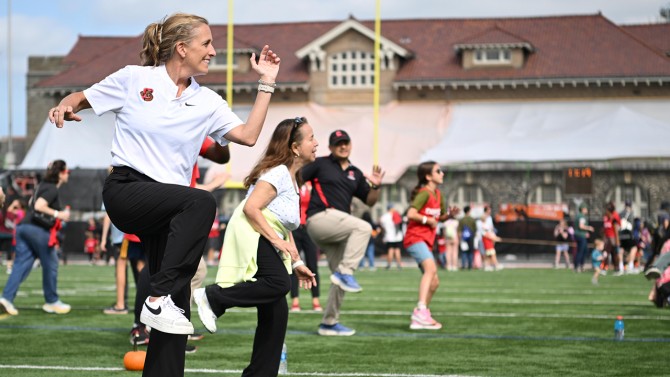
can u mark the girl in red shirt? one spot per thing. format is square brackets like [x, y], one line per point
[611, 226]
[90, 246]
[427, 209]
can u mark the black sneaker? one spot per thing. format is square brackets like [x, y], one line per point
[141, 334]
[191, 349]
[195, 336]
[652, 273]
[114, 310]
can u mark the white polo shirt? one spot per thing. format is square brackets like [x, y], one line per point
[157, 133]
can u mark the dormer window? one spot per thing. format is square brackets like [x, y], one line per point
[493, 56]
[351, 69]
[219, 62]
[493, 48]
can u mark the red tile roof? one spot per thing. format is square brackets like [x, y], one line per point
[586, 46]
[90, 67]
[494, 35]
[655, 35]
[88, 47]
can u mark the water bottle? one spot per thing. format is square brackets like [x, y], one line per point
[618, 328]
[283, 360]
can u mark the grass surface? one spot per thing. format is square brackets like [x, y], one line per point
[516, 322]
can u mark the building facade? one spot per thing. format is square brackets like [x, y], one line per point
[437, 62]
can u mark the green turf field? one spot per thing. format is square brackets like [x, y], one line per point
[516, 322]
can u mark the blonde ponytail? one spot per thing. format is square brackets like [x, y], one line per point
[160, 38]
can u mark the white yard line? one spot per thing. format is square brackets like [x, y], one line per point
[229, 371]
[505, 301]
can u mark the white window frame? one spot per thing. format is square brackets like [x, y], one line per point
[221, 57]
[351, 69]
[536, 196]
[458, 198]
[485, 56]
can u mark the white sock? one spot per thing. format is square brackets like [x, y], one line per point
[421, 306]
[156, 303]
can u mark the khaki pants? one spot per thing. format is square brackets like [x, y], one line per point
[199, 277]
[343, 238]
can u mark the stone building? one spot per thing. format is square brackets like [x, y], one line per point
[432, 69]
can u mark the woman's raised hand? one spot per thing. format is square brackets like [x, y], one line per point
[267, 66]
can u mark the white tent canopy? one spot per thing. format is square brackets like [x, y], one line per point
[84, 144]
[406, 131]
[413, 132]
[554, 131]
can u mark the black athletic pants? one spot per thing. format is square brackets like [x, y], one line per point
[308, 247]
[173, 223]
[268, 295]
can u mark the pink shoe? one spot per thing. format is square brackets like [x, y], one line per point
[295, 307]
[423, 317]
[418, 326]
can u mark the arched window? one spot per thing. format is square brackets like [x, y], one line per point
[396, 195]
[545, 194]
[638, 198]
[471, 195]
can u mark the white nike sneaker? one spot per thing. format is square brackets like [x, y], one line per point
[207, 316]
[163, 315]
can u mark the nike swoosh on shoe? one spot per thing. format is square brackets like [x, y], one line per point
[156, 311]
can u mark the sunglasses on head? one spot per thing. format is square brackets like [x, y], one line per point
[297, 121]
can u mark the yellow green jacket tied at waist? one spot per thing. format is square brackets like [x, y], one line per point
[240, 248]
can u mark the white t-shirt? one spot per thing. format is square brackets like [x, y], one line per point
[392, 233]
[157, 133]
[286, 205]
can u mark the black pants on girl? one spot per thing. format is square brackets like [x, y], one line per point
[173, 223]
[308, 247]
[268, 295]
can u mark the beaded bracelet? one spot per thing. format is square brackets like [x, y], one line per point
[266, 88]
[272, 84]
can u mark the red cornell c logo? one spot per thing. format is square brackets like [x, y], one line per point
[147, 94]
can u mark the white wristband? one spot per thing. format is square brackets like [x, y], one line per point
[56, 213]
[423, 221]
[266, 88]
[272, 84]
[297, 264]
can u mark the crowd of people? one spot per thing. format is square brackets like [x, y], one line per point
[298, 206]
